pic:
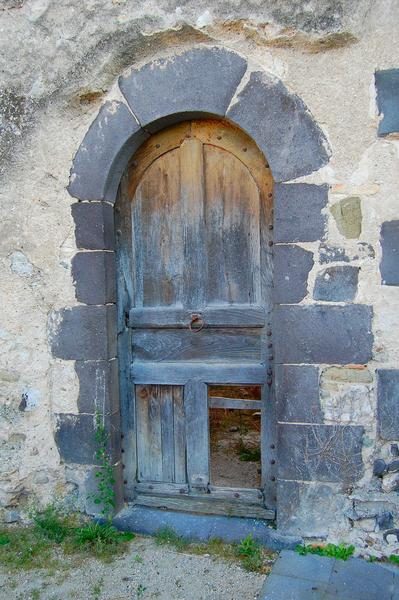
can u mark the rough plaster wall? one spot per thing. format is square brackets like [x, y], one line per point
[58, 61]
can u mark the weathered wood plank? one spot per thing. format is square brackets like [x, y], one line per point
[240, 316]
[219, 402]
[156, 487]
[167, 434]
[197, 434]
[207, 345]
[206, 505]
[268, 447]
[192, 200]
[252, 496]
[180, 373]
[149, 448]
[179, 431]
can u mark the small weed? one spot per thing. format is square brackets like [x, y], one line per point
[250, 553]
[138, 559]
[140, 591]
[97, 589]
[341, 552]
[247, 453]
[34, 594]
[394, 558]
[105, 494]
[51, 524]
[168, 537]
[4, 539]
[101, 540]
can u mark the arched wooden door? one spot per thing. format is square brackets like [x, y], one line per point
[195, 265]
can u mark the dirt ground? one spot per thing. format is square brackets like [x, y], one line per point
[146, 571]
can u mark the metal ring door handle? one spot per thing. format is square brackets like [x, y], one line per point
[196, 319]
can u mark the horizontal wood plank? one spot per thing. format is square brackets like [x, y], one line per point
[206, 505]
[219, 402]
[240, 316]
[179, 373]
[156, 487]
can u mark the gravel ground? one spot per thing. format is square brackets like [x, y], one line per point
[146, 571]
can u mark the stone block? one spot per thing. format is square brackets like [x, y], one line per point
[75, 438]
[84, 333]
[94, 225]
[323, 334]
[336, 284]
[98, 386]
[389, 266]
[297, 212]
[312, 567]
[388, 403]
[329, 254]
[292, 265]
[281, 587]
[361, 580]
[196, 82]
[112, 139]
[320, 452]
[387, 84]
[94, 276]
[348, 217]
[281, 125]
[297, 394]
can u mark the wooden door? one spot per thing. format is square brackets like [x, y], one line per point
[195, 273]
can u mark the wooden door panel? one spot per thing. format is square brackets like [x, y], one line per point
[232, 229]
[236, 315]
[208, 345]
[160, 433]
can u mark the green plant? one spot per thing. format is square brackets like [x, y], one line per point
[4, 539]
[167, 536]
[250, 552]
[105, 494]
[394, 558]
[341, 552]
[51, 524]
[97, 589]
[100, 539]
[140, 590]
[247, 453]
[138, 559]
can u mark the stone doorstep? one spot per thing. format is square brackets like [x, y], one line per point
[296, 577]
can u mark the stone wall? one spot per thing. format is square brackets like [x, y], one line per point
[60, 62]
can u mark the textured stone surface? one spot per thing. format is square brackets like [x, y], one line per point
[320, 452]
[323, 334]
[98, 386]
[94, 225]
[84, 333]
[309, 508]
[389, 266]
[336, 284]
[347, 395]
[201, 80]
[101, 158]
[297, 212]
[94, 276]
[297, 394]
[348, 216]
[292, 265]
[332, 254]
[388, 403]
[387, 84]
[281, 125]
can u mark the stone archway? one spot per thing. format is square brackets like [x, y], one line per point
[211, 81]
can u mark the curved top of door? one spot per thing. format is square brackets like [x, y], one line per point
[221, 134]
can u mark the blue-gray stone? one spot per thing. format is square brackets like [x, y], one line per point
[332, 254]
[94, 225]
[361, 580]
[312, 567]
[320, 452]
[94, 276]
[98, 386]
[281, 125]
[200, 81]
[112, 139]
[297, 394]
[147, 521]
[75, 438]
[84, 333]
[323, 334]
[297, 212]
[336, 284]
[387, 84]
[292, 265]
[388, 403]
[379, 467]
[389, 266]
[280, 587]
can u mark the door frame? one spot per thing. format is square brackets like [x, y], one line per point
[198, 82]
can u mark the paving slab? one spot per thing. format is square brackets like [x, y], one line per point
[296, 577]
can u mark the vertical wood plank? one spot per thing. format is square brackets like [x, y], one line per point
[192, 200]
[197, 434]
[167, 433]
[149, 444]
[179, 427]
[268, 448]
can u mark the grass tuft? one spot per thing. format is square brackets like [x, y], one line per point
[341, 552]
